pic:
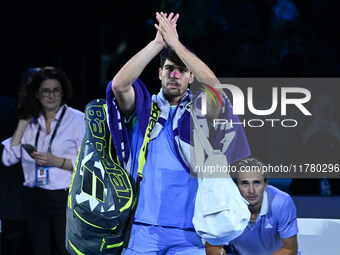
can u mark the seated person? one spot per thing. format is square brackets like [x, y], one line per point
[272, 228]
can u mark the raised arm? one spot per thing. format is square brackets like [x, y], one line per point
[19, 132]
[122, 82]
[200, 70]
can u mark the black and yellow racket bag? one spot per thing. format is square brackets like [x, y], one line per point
[101, 194]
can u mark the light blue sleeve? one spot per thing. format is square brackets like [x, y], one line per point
[287, 225]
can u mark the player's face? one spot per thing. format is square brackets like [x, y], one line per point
[175, 80]
[252, 186]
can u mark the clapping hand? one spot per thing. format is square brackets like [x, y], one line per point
[166, 27]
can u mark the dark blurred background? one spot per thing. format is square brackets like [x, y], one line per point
[91, 40]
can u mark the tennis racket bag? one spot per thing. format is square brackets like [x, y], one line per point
[101, 196]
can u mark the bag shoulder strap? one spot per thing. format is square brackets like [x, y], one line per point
[154, 115]
[201, 137]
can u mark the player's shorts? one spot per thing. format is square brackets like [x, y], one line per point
[149, 239]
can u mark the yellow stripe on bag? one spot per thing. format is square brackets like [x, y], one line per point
[75, 249]
[114, 245]
[116, 160]
[127, 205]
[69, 202]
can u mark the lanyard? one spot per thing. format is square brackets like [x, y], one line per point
[54, 132]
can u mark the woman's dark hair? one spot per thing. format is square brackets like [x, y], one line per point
[29, 104]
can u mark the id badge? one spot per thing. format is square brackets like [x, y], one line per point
[41, 175]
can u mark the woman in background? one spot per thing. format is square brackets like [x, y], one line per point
[46, 140]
